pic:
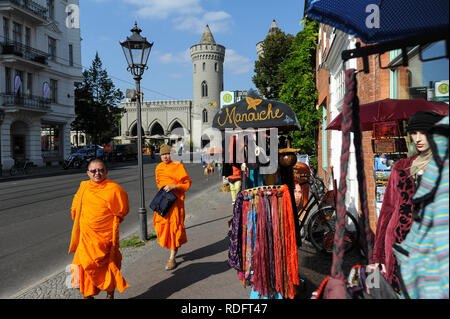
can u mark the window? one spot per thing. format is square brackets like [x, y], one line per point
[204, 66]
[216, 67]
[205, 116]
[70, 54]
[8, 88]
[51, 9]
[6, 29]
[49, 138]
[29, 84]
[17, 32]
[195, 68]
[204, 89]
[54, 91]
[52, 48]
[18, 83]
[27, 36]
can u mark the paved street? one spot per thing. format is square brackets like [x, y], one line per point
[35, 232]
[35, 224]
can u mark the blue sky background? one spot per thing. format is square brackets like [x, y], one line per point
[174, 26]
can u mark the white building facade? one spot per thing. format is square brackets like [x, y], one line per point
[339, 41]
[40, 61]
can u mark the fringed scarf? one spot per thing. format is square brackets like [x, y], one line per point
[261, 277]
[235, 235]
[277, 244]
[291, 245]
[245, 208]
[269, 226]
[285, 291]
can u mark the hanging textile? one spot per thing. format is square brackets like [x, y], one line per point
[268, 242]
[235, 235]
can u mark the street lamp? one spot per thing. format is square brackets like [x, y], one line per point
[137, 50]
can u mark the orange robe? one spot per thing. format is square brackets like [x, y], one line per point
[95, 237]
[170, 228]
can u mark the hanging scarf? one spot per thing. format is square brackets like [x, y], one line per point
[285, 290]
[277, 244]
[269, 223]
[250, 238]
[235, 235]
[245, 208]
[291, 245]
[261, 277]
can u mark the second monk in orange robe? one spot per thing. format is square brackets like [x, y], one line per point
[170, 228]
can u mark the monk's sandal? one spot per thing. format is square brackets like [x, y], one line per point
[171, 264]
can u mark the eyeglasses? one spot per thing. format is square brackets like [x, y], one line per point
[98, 170]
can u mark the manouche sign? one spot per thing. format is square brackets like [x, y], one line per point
[255, 112]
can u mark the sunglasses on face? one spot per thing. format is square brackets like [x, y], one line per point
[99, 170]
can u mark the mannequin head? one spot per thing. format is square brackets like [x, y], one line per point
[418, 125]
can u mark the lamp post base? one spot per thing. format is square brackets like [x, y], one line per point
[143, 223]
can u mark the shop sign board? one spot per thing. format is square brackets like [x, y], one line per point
[226, 98]
[441, 91]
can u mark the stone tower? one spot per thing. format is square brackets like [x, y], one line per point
[207, 59]
[273, 28]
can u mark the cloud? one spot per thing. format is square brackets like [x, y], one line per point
[162, 9]
[237, 64]
[218, 21]
[185, 14]
[180, 57]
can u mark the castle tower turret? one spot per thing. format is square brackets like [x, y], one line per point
[207, 59]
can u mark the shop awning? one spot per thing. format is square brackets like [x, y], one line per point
[375, 21]
[389, 110]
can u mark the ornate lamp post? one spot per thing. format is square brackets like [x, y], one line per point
[137, 50]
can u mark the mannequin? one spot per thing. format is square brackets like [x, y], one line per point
[395, 219]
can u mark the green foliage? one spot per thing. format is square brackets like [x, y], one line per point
[268, 78]
[96, 100]
[299, 88]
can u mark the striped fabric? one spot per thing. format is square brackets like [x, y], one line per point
[425, 271]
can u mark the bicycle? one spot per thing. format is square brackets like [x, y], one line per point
[25, 166]
[321, 224]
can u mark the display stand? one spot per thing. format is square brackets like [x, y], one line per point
[389, 144]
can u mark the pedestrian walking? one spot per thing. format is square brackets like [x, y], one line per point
[396, 214]
[170, 229]
[98, 207]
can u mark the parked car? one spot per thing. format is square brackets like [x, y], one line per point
[124, 152]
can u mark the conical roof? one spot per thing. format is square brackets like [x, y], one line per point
[273, 27]
[207, 37]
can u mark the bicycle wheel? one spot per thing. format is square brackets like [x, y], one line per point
[322, 227]
[28, 169]
[13, 171]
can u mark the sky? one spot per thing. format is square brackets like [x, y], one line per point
[174, 26]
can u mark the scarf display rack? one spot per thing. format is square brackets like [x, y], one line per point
[263, 248]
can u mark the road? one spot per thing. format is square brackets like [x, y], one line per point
[35, 222]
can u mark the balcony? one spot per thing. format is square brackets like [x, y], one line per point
[19, 52]
[29, 9]
[26, 102]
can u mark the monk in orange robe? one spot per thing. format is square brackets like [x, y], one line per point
[170, 228]
[99, 206]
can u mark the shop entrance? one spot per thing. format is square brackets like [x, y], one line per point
[18, 140]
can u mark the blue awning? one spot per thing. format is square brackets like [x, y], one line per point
[382, 20]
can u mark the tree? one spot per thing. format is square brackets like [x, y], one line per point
[268, 78]
[96, 100]
[299, 87]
